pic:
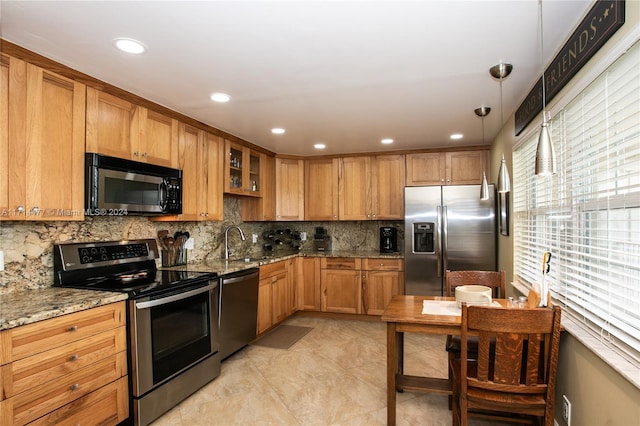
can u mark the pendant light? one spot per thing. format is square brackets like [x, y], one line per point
[482, 112]
[545, 154]
[502, 71]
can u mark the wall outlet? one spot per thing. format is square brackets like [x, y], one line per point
[566, 410]
[1, 260]
[303, 236]
[254, 238]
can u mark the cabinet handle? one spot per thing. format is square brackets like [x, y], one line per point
[74, 387]
[72, 328]
[20, 209]
[381, 264]
[136, 153]
[74, 357]
[35, 210]
[144, 155]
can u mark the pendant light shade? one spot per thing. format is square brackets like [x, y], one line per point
[484, 188]
[504, 182]
[500, 72]
[482, 112]
[545, 153]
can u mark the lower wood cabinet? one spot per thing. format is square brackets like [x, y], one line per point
[67, 370]
[276, 294]
[340, 285]
[308, 283]
[381, 280]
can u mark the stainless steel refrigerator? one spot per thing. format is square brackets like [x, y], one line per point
[446, 227]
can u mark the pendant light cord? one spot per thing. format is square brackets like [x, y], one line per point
[544, 101]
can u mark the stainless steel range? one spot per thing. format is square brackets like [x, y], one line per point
[172, 318]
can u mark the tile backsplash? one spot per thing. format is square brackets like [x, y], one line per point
[28, 246]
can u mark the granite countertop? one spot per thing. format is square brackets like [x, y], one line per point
[26, 307]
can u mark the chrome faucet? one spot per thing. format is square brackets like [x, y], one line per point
[227, 252]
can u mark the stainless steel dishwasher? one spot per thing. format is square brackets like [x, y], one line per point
[238, 310]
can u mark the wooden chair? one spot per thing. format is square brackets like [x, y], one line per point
[453, 279]
[517, 379]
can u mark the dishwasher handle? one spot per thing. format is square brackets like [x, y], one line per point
[237, 278]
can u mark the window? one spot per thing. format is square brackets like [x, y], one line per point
[588, 214]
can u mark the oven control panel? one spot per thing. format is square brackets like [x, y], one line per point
[107, 253]
[73, 256]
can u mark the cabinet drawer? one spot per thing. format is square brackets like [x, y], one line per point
[38, 337]
[340, 263]
[273, 269]
[109, 405]
[35, 403]
[39, 369]
[383, 264]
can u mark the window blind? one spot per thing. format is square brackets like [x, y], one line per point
[588, 214]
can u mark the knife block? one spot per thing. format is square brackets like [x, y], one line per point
[174, 256]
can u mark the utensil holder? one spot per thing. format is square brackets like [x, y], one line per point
[174, 256]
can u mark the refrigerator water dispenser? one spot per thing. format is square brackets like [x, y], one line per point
[423, 234]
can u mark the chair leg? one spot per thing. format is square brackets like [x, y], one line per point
[450, 358]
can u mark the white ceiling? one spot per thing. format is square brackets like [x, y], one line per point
[346, 73]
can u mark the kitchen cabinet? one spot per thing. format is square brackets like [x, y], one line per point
[381, 280]
[446, 168]
[289, 189]
[262, 208]
[242, 170]
[321, 189]
[200, 157]
[66, 370]
[276, 294]
[340, 285]
[119, 128]
[41, 144]
[308, 283]
[371, 188]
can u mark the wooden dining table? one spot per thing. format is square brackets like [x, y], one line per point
[404, 315]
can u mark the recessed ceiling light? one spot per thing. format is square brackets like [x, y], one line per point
[387, 141]
[456, 136]
[319, 146]
[130, 45]
[277, 131]
[220, 97]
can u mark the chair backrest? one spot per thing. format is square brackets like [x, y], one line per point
[526, 351]
[495, 280]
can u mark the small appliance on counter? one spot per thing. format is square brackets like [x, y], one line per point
[321, 241]
[388, 239]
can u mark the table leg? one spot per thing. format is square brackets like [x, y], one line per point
[392, 370]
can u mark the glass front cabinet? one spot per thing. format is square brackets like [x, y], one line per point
[242, 170]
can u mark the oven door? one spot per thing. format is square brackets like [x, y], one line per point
[172, 332]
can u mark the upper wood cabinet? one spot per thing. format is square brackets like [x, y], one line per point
[41, 142]
[200, 156]
[321, 189]
[118, 128]
[289, 189]
[446, 168]
[262, 208]
[371, 188]
[242, 170]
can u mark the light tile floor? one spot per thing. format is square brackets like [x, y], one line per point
[335, 375]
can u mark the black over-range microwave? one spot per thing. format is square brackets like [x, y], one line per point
[115, 186]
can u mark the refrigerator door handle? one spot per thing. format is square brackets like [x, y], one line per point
[445, 236]
[439, 241]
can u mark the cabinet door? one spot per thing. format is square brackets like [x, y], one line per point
[188, 162]
[355, 188]
[265, 314]
[379, 287]
[388, 187]
[242, 170]
[321, 189]
[289, 189]
[341, 291]
[309, 283]
[109, 120]
[426, 169]
[465, 167]
[210, 165]
[262, 208]
[5, 205]
[280, 297]
[44, 145]
[157, 138]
